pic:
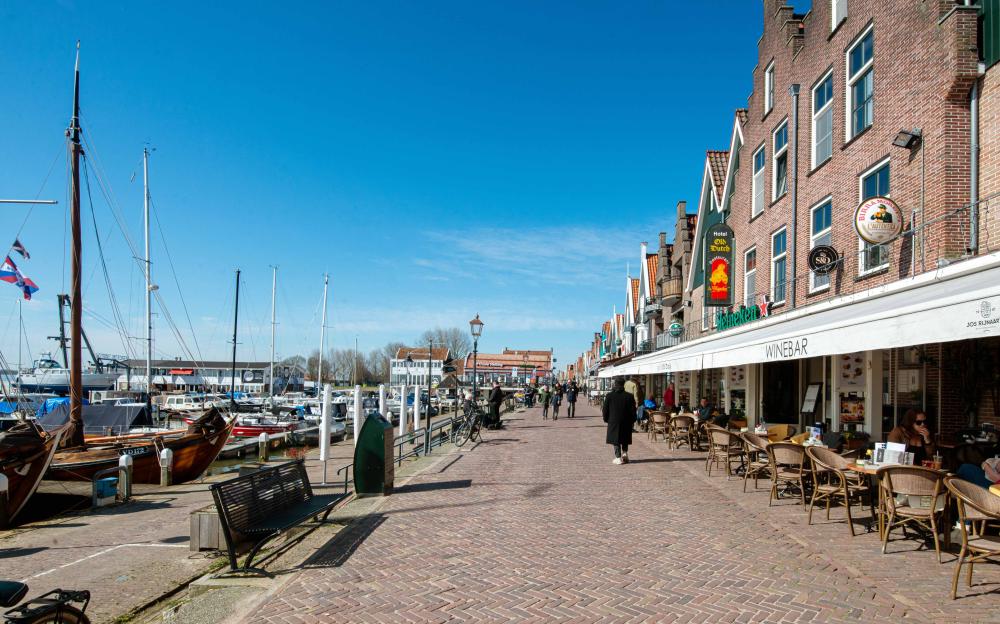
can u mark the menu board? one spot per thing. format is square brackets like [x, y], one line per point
[737, 377]
[812, 395]
[851, 371]
[852, 409]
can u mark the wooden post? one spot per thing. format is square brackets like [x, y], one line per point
[262, 450]
[166, 467]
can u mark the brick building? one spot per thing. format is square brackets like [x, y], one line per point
[851, 101]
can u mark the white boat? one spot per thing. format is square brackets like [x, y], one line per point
[47, 375]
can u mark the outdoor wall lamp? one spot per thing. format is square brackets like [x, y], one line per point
[908, 139]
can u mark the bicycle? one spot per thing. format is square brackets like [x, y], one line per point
[470, 426]
[55, 607]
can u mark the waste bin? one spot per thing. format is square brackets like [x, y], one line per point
[374, 468]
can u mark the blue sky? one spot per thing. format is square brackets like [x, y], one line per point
[438, 159]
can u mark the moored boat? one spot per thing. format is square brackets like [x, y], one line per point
[25, 453]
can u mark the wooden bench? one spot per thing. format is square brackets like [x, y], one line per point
[264, 504]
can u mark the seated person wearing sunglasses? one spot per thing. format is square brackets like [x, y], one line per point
[913, 432]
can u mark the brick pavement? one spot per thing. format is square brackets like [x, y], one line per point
[536, 524]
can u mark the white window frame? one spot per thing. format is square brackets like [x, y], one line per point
[813, 288]
[754, 208]
[862, 271]
[850, 81]
[747, 300]
[774, 260]
[775, 155]
[704, 316]
[836, 17]
[769, 88]
[825, 109]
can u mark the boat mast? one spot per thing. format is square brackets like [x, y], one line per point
[274, 286]
[149, 278]
[322, 337]
[236, 318]
[74, 436]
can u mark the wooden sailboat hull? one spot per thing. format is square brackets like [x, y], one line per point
[24, 465]
[193, 452]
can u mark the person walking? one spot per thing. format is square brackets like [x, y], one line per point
[571, 394]
[495, 400]
[632, 387]
[544, 397]
[556, 400]
[619, 414]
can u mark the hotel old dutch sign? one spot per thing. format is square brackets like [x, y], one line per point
[878, 220]
[719, 265]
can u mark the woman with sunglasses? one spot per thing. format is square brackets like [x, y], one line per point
[913, 432]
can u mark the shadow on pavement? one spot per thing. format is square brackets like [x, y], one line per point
[338, 550]
[12, 553]
[658, 460]
[410, 488]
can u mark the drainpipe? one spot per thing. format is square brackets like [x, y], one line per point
[793, 90]
[974, 169]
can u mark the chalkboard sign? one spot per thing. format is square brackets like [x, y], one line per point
[809, 402]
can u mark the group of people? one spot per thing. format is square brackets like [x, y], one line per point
[554, 398]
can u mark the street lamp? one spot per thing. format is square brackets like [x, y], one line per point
[476, 329]
[525, 370]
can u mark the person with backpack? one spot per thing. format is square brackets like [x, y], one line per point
[544, 397]
[571, 393]
[556, 400]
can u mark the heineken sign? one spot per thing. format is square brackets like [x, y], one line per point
[719, 265]
[727, 319]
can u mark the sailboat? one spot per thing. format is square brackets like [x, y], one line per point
[80, 457]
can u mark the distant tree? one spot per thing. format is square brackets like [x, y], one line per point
[456, 340]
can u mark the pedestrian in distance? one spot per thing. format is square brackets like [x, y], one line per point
[556, 400]
[495, 400]
[545, 397]
[571, 392]
[619, 414]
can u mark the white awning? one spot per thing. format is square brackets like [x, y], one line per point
[958, 302]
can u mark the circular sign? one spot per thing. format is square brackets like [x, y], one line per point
[248, 376]
[823, 259]
[675, 329]
[878, 220]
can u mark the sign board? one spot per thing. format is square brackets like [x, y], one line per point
[719, 265]
[675, 329]
[809, 402]
[823, 259]
[878, 220]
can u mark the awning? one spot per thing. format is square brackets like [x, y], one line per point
[958, 302]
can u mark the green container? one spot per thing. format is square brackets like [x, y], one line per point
[374, 469]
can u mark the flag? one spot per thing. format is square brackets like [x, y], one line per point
[9, 273]
[19, 248]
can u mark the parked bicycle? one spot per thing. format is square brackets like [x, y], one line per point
[468, 426]
[56, 607]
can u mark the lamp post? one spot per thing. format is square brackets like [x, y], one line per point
[476, 329]
[402, 399]
[554, 378]
[525, 369]
[427, 419]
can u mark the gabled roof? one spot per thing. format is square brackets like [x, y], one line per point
[652, 263]
[420, 353]
[634, 293]
[718, 162]
[735, 143]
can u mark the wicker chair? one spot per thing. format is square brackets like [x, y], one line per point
[913, 481]
[787, 466]
[723, 448]
[682, 431]
[657, 425]
[975, 504]
[758, 464]
[778, 433]
[736, 424]
[831, 480]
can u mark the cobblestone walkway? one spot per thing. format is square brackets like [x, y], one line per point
[536, 524]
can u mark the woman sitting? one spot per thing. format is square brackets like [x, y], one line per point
[914, 433]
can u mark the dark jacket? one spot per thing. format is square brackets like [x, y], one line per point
[619, 413]
[571, 394]
[496, 396]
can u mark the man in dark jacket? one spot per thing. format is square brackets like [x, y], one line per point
[571, 393]
[619, 414]
[496, 398]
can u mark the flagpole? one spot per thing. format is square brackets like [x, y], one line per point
[149, 281]
[322, 336]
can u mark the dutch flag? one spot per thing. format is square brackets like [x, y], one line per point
[9, 273]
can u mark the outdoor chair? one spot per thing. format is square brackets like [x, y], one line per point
[832, 479]
[758, 464]
[736, 424]
[923, 487]
[975, 504]
[723, 448]
[682, 431]
[778, 433]
[657, 425]
[787, 466]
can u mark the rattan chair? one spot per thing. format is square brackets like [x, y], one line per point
[758, 464]
[832, 480]
[657, 425]
[778, 433]
[681, 431]
[913, 481]
[723, 449]
[787, 466]
[736, 424]
[975, 504]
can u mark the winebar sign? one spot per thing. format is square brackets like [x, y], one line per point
[719, 266]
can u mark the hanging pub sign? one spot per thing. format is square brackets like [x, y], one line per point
[878, 220]
[719, 265]
[823, 259]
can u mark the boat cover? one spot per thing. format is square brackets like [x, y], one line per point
[101, 419]
[51, 404]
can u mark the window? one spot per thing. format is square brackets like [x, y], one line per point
[759, 160]
[838, 12]
[860, 83]
[874, 182]
[769, 88]
[820, 235]
[779, 185]
[822, 121]
[779, 261]
[749, 276]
